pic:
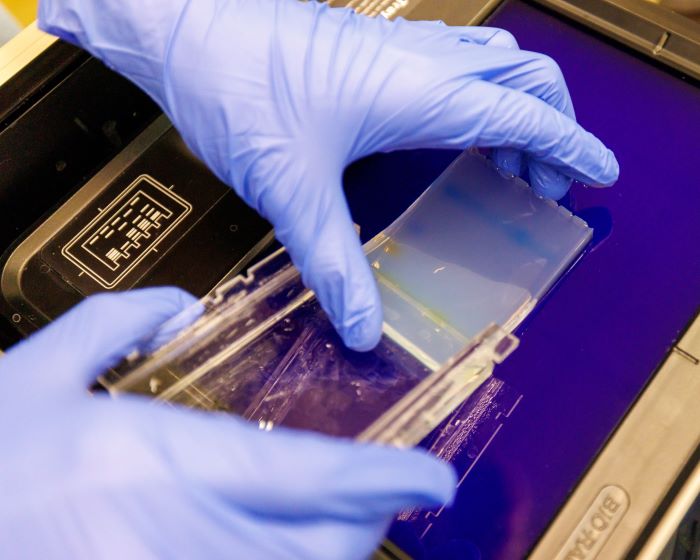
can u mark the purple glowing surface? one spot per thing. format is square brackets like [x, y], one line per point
[590, 347]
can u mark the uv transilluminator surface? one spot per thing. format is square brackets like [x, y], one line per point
[457, 272]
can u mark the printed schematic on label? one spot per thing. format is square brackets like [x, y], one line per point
[126, 231]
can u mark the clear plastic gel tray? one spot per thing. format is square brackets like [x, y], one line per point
[457, 272]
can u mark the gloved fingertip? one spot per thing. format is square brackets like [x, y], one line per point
[190, 310]
[439, 477]
[448, 484]
[445, 479]
[508, 159]
[364, 334]
[487, 36]
[547, 182]
[503, 39]
[167, 295]
[611, 171]
[551, 192]
[350, 299]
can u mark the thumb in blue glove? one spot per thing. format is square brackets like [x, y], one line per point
[83, 476]
[277, 97]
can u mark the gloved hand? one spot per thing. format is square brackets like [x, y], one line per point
[278, 96]
[84, 476]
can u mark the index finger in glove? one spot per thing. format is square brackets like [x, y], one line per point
[489, 36]
[539, 75]
[522, 121]
[512, 119]
[311, 219]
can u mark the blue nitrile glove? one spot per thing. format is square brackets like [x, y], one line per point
[83, 476]
[278, 96]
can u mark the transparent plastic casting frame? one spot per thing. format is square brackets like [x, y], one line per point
[457, 272]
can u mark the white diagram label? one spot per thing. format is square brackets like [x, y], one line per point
[126, 231]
